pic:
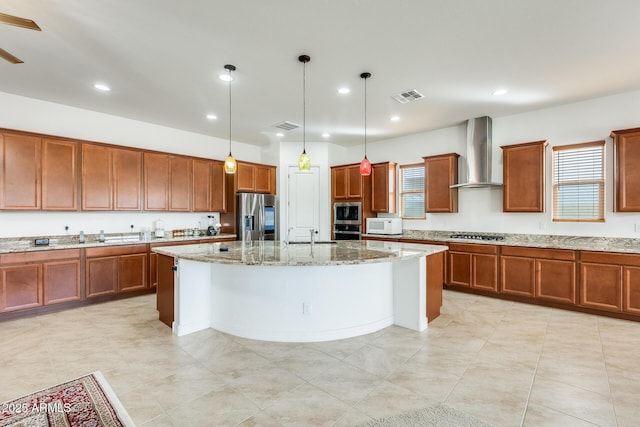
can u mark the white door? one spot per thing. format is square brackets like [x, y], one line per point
[303, 212]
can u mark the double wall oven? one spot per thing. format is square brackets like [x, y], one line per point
[347, 220]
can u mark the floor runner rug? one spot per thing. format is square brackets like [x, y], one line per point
[440, 416]
[83, 402]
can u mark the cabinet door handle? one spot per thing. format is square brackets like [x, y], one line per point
[174, 268]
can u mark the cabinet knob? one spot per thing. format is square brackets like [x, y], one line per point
[174, 268]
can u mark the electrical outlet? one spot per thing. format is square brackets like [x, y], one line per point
[306, 308]
[543, 225]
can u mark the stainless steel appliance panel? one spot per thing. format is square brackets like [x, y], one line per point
[347, 213]
[256, 216]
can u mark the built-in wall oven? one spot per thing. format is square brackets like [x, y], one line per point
[347, 220]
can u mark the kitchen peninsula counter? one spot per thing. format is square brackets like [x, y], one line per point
[298, 292]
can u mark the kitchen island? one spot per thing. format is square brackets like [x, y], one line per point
[301, 292]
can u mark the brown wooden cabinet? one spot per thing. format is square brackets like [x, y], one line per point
[180, 188]
[523, 172]
[156, 182]
[255, 178]
[111, 178]
[346, 182]
[383, 187]
[20, 287]
[97, 178]
[208, 186]
[610, 281]
[59, 175]
[127, 180]
[547, 274]
[33, 279]
[473, 265]
[20, 162]
[626, 150]
[165, 289]
[113, 269]
[440, 173]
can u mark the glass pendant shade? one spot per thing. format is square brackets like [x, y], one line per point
[365, 167]
[230, 165]
[304, 162]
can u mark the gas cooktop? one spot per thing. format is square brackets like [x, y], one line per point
[469, 236]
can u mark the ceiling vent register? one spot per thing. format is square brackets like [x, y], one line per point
[286, 126]
[408, 96]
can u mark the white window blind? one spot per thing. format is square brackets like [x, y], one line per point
[412, 190]
[578, 182]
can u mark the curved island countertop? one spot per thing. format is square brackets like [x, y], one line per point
[272, 291]
[274, 253]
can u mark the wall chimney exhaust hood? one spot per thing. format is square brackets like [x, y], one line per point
[478, 154]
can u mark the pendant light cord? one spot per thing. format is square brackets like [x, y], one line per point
[365, 118]
[304, 106]
[229, 111]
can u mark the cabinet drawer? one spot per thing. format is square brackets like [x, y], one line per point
[610, 258]
[39, 256]
[561, 254]
[471, 248]
[116, 250]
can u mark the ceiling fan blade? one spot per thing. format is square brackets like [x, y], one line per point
[8, 57]
[19, 22]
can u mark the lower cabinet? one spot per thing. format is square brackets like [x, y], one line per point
[34, 279]
[547, 274]
[473, 265]
[610, 281]
[113, 269]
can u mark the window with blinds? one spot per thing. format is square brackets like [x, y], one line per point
[412, 191]
[578, 182]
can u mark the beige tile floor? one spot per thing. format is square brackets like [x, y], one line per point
[510, 364]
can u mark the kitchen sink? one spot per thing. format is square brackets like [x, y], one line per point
[115, 239]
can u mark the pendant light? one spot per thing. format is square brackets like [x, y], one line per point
[304, 162]
[230, 165]
[365, 164]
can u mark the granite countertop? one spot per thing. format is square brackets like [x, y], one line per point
[277, 253]
[26, 244]
[583, 243]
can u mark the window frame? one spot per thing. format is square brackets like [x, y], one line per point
[402, 191]
[598, 181]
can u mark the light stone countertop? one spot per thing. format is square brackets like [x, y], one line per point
[277, 253]
[583, 243]
[26, 244]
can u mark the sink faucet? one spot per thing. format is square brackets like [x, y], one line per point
[313, 232]
[286, 242]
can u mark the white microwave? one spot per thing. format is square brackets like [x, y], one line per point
[384, 225]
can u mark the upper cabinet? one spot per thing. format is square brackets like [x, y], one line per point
[255, 178]
[523, 177]
[208, 186]
[626, 147]
[59, 175]
[167, 182]
[440, 173]
[383, 187]
[346, 182]
[20, 172]
[180, 188]
[111, 178]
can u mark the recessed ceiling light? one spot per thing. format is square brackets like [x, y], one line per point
[326, 135]
[280, 134]
[500, 92]
[395, 118]
[344, 90]
[212, 116]
[101, 86]
[226, 77]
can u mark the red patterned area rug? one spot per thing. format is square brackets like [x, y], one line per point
[87, 401]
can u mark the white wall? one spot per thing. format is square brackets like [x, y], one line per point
[20, 113]
[481, 209]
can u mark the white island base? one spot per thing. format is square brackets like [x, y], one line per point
[299, 303]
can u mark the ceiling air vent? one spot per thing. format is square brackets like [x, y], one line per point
[408, 96]
[286, 125]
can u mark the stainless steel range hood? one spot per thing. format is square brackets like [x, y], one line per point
[478, 154]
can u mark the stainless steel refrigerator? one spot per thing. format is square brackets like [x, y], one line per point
[257, 216]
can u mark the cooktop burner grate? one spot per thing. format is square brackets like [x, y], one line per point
[477, 236]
